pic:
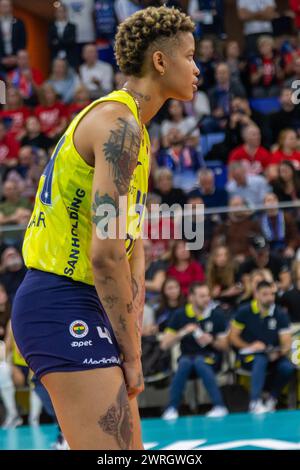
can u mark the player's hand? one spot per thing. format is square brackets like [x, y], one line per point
[133, 378]
[258, 346]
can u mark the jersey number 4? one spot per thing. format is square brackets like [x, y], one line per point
[46, 193]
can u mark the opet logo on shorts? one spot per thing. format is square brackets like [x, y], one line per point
[79, 329]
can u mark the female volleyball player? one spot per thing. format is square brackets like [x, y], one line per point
[76, 316]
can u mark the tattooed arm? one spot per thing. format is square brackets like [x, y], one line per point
[116, 147]
[137, 267]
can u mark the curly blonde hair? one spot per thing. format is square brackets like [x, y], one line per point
[141, 30]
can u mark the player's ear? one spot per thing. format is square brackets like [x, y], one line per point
[159, 62]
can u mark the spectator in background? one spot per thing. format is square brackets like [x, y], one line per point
[291, 298]
[13, 271]
[5, 311]
[80, 101]
[207, 191]
[201, 330]
[295, 8]
[240, 117]
[266, 73]
[235, 62]
[11, 207]
[9, 148]
[183, 267]
[206, 63]
[287, 148]
[159, 226]
[221, 275]
[163, 179]
[26, 79]
[279, 228]
[12, 36]
[251, 282]
[197, 223]
[199, 107]
[252, 188]
[51, 113]
[96, 75]
[234, 232]
[262, 258]
[63, 80]
[28, 172]
[220, 98]
[125, 8]
[287, 185]
[106, 20]
[288, 117]
[180, 137]
[155, 274]
[295, 72]
[171, 300]
[208, 16]
[261, 332]
[62, 37]
[256, 157]
[81, 14]
[14, 113]
[179, 127]
[34, 136]
[257, 17]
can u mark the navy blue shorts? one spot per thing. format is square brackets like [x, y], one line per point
[60, 325]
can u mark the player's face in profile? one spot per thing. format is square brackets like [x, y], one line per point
[183, 72]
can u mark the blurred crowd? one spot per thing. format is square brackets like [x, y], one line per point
[234, 149]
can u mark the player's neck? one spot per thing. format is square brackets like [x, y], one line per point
[148, 95]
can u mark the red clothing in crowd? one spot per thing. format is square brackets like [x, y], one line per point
[9, 148]
[279, 156]
[50, 117]
[194, 272]
[75, 108]
[23, 83]
[295, 7]
[261, 159]
[15, 119]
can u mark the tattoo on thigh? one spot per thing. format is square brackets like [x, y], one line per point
[117, 421]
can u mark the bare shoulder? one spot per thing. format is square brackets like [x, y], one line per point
[108, 125]
[107, 117]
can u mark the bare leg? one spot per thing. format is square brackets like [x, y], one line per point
[92, 408]
[137, 432]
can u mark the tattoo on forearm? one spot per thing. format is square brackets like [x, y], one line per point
[121, 152]
[104, 208]
[117, 421]
[122, 323]
[130, 308]
[110, 301]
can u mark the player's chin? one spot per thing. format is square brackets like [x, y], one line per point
[185, 95]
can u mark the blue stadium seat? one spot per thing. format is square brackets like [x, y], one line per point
[265, 105]
[208, 140]
[220, 171]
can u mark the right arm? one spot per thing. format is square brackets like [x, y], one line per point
[172, 337]
[267, 14]
[116, 144]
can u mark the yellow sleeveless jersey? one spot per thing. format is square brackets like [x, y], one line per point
[58, 236]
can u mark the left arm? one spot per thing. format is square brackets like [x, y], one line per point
[137, 268]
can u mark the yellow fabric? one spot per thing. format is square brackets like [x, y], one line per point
[170, 330]
[18, 359]
[238, 325]
[58, 236]
[190, 313]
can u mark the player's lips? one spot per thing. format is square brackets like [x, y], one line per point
[195, 85]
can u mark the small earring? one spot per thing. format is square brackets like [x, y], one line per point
[162, 72]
